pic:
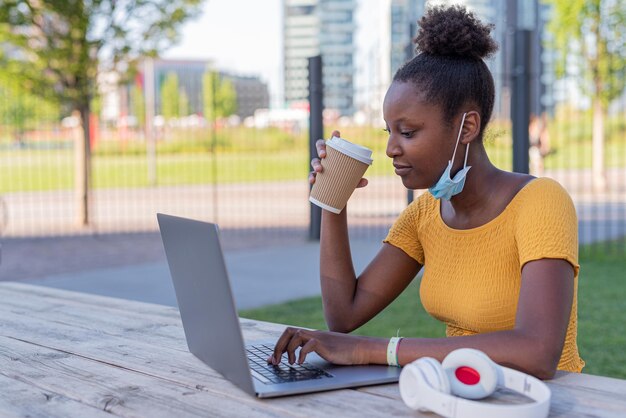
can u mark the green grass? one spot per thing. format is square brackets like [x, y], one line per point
[405, 313]
[601, 300]
[53, 170]
[31, 170]
[249, 155]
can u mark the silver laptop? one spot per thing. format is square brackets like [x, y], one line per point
[212, 329]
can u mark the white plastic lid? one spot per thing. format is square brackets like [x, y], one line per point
[355, 151]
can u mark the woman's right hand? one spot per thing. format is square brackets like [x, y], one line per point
[316, 163]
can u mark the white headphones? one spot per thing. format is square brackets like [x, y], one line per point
[427, 385]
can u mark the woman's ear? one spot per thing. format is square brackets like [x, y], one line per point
[471, 127]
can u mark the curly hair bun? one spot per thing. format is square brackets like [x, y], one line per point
[453, 31]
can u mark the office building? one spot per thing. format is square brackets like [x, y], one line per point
[386, 30]
[337, 46]
[301, 29]
[326, 27]
[251, 92]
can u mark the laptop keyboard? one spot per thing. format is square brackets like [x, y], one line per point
[283, 372]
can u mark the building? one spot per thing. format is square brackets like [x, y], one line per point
[396, 21]
[252, 93]
[189, 74]
[385, 33]
[301, 28]
[507, 16]
[337, 46]
[404, 15]
[314, 27]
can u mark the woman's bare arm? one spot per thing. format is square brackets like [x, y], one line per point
[350, 302]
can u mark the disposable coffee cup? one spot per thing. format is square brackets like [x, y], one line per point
[343, 167]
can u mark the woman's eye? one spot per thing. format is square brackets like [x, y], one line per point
[407, 134]
[387, 130]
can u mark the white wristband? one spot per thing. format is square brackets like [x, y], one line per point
[392, 351]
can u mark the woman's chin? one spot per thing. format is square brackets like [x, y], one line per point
[412, 184]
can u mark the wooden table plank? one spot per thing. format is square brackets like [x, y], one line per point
[19, 399]
[117, 390]
[92, 354]
[157, 362]
[127, 393]
[151, 323]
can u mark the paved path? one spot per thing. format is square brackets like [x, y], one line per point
[279, 204]
[259, 277]
[264, 226]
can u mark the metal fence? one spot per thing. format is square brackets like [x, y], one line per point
[255, 179]
[251, 176]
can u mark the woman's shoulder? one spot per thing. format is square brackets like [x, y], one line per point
[420, 210]
[544, 189]
[424, 204]
[544, 197]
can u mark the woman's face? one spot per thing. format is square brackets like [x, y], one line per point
[420, 143]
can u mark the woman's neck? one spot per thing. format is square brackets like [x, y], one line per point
[481, 184]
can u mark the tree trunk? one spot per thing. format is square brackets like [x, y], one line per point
[597, 142]
[82, 166]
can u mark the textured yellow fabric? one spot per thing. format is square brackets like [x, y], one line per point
[472, 277]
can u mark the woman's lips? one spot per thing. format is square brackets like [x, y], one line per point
[402, 170]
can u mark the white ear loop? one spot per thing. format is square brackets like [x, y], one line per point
[458, 138]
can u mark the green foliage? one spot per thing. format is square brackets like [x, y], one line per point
[590, 36]
[227, 98]
[139, 105]
[183, 103]
[170, 97]
[219, 96]
[21, 110]
[56, 48]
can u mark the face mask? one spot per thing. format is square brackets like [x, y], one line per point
[447, 187]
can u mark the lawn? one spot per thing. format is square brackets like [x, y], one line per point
[601, 298]
[246, 155]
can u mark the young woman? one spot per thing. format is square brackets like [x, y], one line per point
[499, 249]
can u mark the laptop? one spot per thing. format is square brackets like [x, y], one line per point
[212, 329]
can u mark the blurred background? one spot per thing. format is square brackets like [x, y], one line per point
[112, 111]
[98, 140]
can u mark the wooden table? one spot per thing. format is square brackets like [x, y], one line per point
[71, 354]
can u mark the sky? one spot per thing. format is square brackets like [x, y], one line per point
[239, 36]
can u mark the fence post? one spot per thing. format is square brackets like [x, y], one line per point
[148, 88]
[520, 100]
[316, 131]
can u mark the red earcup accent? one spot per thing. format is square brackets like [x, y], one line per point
[467, 375]
[478, 374]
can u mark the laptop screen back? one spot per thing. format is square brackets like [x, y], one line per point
[204, 296]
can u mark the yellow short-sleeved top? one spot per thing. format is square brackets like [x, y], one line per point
[472, 277]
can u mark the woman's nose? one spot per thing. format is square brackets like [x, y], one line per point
[393, 148]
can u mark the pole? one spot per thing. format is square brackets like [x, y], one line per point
[148, 87]
[82, 166]
[520, 98]
[214, 84]
[316, 131]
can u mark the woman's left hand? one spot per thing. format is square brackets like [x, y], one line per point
[335, 347]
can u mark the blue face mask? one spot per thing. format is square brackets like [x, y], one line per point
[447, 187]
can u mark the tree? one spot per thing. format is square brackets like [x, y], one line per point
[219, 96]
[170, 97]
[56, 49]
[21, 110]
[183, 104]
[591, 36]
[139, 105]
